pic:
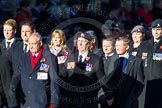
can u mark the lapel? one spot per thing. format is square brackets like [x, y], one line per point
[151, 43]
[111, 64]
[76, 57]
[28, 63]
[147, 49]
[14, 42]
[115, 58]
[3, 43]
[21, 47]
[37, 66]
[88, 58]
[104, 59]
[130, 64]
[106, 63]
[158, 45]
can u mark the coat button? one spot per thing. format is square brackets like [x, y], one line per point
[28, 92]
[30, 77]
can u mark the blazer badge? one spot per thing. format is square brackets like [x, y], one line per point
[44, 67]
[70, 65]
[144, 55]
[61, 59]
[88, 67]
[134, 53]
[157, 56]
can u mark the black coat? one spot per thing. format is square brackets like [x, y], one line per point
[14, 54]
[4, 45]
[82, 84]
[5, 79]
[126, 87]
[135, 51]
[37, 93]
[110, 64]
[152, 64]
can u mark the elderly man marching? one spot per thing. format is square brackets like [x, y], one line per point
[37, 74]
[83, 71]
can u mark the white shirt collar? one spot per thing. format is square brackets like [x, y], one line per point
[110, 54]
[156, 40]
[126, 55]
[11, 40]
[24, 46]
[25, 42]
[84, 55]
[36, 54]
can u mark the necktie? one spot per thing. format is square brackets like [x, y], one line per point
[81, 64]
[25, 48]
[80, 59]
[122, 63]
[8, 45]
[155, 44]
[34, 56]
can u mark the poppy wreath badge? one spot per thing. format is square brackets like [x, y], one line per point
[87, 58]
[161, 47]
[43, 59]
[144, 55]
[66, 53]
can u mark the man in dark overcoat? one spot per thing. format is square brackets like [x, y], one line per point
[5, 79]
[9, 31]
[151, 53]
[37, 74]
[21, 47]
[126, 82]
[84, 73]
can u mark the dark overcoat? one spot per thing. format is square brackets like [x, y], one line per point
[83, 81]
[127, 86]
[38, 93]
[152, 63]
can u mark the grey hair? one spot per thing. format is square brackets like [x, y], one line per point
[39, 37]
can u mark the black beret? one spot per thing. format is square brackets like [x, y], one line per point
[84, 35]
[156, 23]
[138, 28]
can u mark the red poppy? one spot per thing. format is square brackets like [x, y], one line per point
[66, 53]
[91, 47]
[43, 59]
[87, 58]
[161, 47]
